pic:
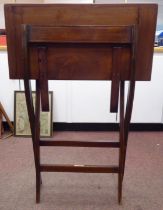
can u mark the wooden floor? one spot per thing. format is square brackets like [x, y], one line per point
[143, 180]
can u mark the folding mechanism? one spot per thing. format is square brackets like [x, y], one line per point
[42, 60]
[106, 43]
[32, 34]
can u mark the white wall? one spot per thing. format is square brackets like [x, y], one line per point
[7, 86]
[2, 21]
[148, 103]
[89, 101]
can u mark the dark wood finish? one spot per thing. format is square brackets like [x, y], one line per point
[130, 99]
[37, 139]
[117, 65]
[70, 143]
[30, 109]
[72, 15]
[70, 62]
[76, 52]
[121, 140]
[80, 168]
[81, 34]
[58, 42]
[42, 60]
[28, 91]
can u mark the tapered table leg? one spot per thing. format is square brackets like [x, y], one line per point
[122, 143]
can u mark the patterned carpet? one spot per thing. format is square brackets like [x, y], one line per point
[143, 180]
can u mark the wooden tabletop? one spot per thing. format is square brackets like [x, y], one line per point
[69, 15]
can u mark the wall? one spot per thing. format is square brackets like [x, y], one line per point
[88, 101]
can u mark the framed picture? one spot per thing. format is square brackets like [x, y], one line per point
[21, 120]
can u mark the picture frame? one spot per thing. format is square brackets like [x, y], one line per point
[21, 119]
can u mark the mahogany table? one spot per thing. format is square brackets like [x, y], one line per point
[80, 42]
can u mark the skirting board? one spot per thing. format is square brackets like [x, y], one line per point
[101, 126]
[106, 126]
